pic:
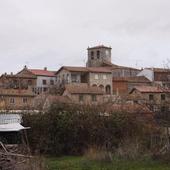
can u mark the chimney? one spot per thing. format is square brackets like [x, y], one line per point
[11, 73]
[25, 67]
[45, 68]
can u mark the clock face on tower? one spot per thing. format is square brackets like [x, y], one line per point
[107, 53]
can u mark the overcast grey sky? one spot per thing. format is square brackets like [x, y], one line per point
[57, 32]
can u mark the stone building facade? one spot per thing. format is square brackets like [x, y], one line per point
[98, 55]
[156, 97]
[16, 99]
[83, 94]
[93, 76]
[17, 81]
[45, 79]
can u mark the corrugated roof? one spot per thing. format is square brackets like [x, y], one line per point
[82, 88]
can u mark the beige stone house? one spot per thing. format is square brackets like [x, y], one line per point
[45, 79]
[93, 76]
[154, 96]
[18, 81]
[83, 94]
[16, 99]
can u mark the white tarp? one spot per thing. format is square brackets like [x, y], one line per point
[10, 118]
[11, 127]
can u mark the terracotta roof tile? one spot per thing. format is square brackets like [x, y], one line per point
[39, 72]
[83, 88]
[151, 89]
[16, 92]
[86, 69]
[135, 79]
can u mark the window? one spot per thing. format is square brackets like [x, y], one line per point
[44, 89]
[151, 97]
[96, 76]
[98, 54]
[12, 100]
[52, 82]
[24, 100]
[92, 53]
[108, 89]
[104, 77]
[74, 78]
[44, 82]
[94, 99]
[92, 58]
[162, 96]
[101, 87]
[80, 98]
[29, 82]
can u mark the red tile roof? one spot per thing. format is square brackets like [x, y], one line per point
[135, 79]
[74, 69]
[16, 92]
[39, 72]
[86, 69]
[115, 66]
[151, 89]
[82, 88]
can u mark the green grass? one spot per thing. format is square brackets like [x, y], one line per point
[80, 163]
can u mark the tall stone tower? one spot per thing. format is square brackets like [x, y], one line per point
[98, 55]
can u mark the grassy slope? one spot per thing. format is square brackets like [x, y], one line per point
[78, 163]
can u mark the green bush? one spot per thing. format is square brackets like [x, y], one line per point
[69, 129]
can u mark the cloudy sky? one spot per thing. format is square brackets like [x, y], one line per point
[53, 33]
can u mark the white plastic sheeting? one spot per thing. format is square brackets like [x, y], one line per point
[10, 118]
[12, 127]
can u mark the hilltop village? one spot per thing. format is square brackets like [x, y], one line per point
[99, 82]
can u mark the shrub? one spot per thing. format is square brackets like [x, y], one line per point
[69, 129]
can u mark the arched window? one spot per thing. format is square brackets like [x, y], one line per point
[101, 87]
[94, 85]
[108, 89]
